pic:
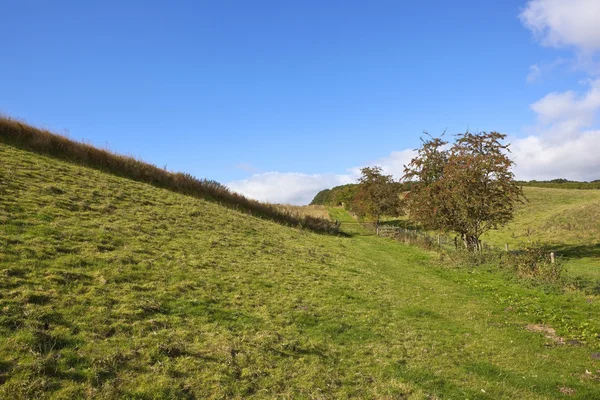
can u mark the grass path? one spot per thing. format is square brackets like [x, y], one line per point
[115, 289]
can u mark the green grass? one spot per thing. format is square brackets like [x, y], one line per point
[566, 220]
[111, 288]
[27, 137]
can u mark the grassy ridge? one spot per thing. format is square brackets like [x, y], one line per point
[563, 184]
[111, 288]
[567, 216]
[42, 141]
[567, 221]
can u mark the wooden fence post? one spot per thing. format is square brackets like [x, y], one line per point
[506, 247]
[552, 257]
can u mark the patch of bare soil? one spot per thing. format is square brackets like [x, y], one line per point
[547, 331]
[567, 390]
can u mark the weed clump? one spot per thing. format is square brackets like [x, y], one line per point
[533, 262]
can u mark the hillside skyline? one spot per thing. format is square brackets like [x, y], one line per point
[281, 101]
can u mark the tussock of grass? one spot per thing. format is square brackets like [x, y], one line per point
[45, 142]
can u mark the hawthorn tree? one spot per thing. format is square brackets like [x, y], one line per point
[377, 195]
[468, 188]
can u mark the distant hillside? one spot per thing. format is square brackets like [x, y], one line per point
[28, 137]
[345, 193]
[554, 216]
[562, 184]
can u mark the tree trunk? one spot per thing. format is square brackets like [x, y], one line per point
[471, 242]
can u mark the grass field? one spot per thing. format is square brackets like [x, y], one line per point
[111, 288]
[566, 220]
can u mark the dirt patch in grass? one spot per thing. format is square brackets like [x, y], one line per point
[547, 331]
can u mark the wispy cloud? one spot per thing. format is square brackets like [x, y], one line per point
[560, 23]
[247, 167]
[567, 24]
[535, 73]
[565, 142]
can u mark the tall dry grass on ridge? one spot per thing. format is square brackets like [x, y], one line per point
[27, 137]
[315, 211]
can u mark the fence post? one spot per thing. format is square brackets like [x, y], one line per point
[506, 247]
[377, 227]
[439, 241]
[552, 257]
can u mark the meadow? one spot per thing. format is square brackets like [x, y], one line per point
[566, 221]
[112, 288]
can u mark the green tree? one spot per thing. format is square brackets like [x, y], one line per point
[377, 195]
[468, 188]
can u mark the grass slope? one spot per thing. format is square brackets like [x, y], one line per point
[567, 220]
[41, 141]
[111, 288]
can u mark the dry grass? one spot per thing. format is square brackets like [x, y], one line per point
[313, 211]
[27, 137]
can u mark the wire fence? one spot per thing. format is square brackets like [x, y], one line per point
[427, 239]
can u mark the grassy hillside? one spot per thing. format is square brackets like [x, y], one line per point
[41, 141]
[111, 288]
[567, 220]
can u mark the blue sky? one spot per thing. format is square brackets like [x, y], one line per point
[280, 98]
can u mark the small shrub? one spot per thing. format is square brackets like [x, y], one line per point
[535, 262]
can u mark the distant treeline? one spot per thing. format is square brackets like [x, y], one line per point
[563, 184]
[27, 137]
[345, 194]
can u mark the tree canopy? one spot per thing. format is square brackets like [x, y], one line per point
[377, 195]
[467, 188]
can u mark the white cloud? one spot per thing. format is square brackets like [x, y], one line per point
[395, 162]
[565, 144]
[535, 73]
[564, 115]
[577, 158]
[289, 188]
[564, 23]
[297, 188]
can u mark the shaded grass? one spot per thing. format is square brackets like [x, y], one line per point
[566, 221]
[111, 288]
[28, 137]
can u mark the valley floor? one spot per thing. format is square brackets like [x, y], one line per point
[115, 289]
